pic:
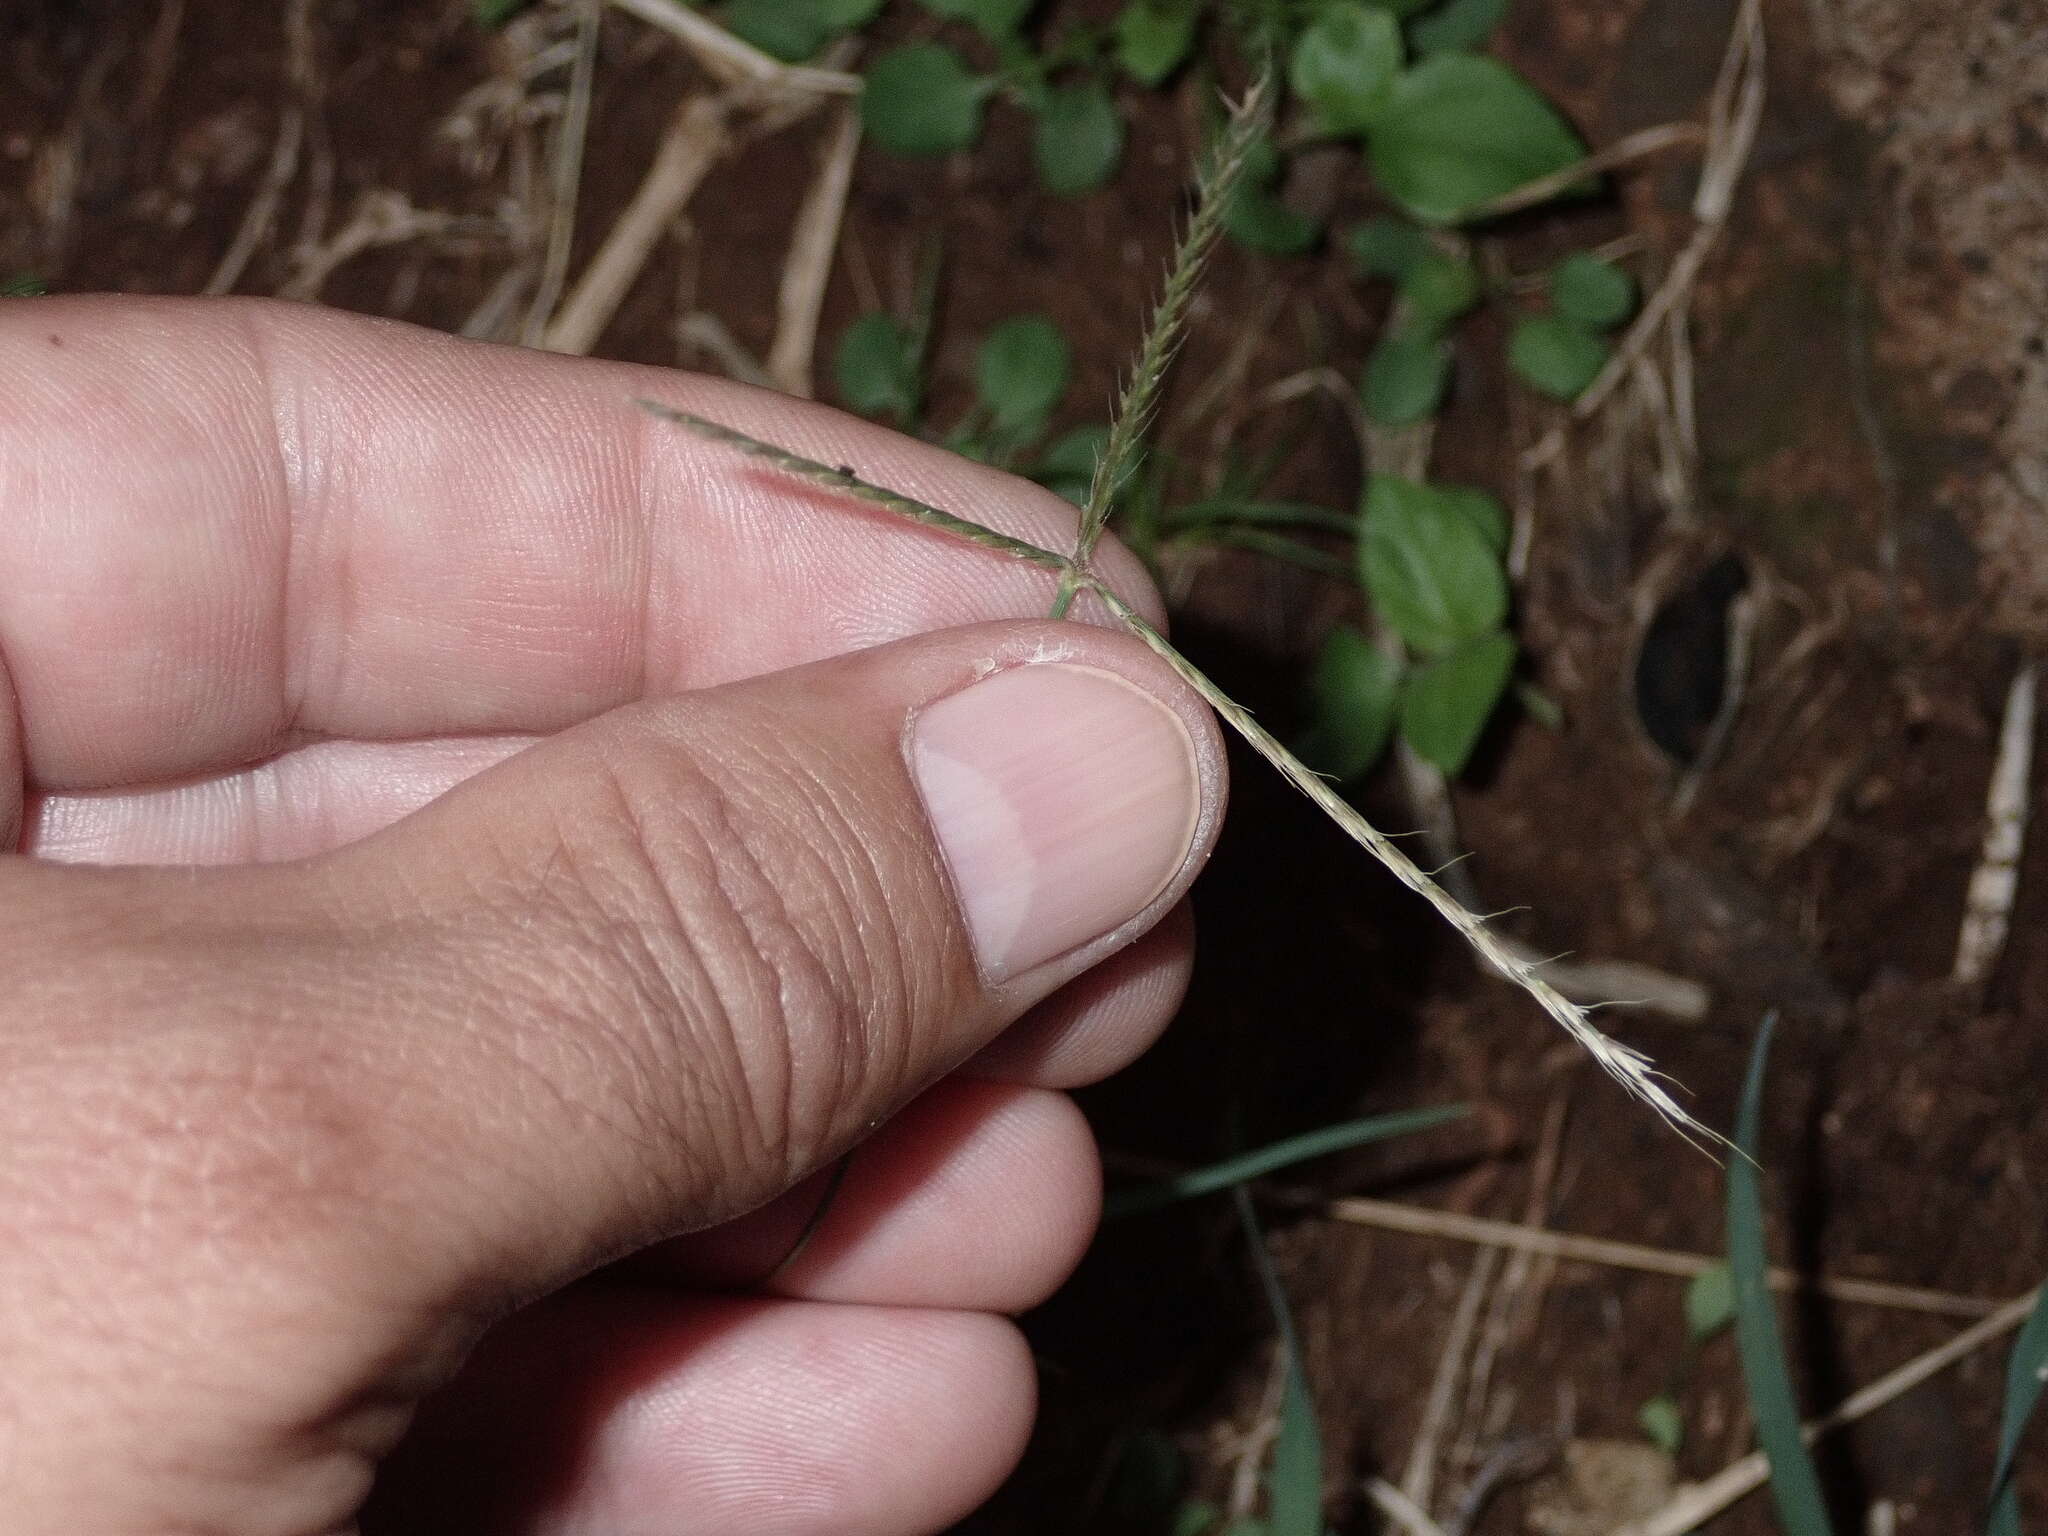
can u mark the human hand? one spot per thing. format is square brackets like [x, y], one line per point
[480, 833]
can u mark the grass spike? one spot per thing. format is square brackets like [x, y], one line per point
[1214, 188]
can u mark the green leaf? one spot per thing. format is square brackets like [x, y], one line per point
[1440, 290]
[876, 369]
[495, 13]
[994, 19]
[1356, 688]
[1389, 248]
[921, 99]
[1153, 39]
[1456, 25]
[1596, 293]
[1344, 63]
[1246, 1166]
[1294, 1482]
[1431, 572]
[1147, 1481]
[1481, 509]
[790, 30]
[1795, 1487]
[1079, 139]
[1067, 467]
[1448, 701]
[2023, 1379]
[1662, 1424]
[1556, 356]
[845, 15]
[1074, 452]
[1259, 221]
[1458, 131]
[1405, 378]
[23, 285]
[1021, 372]
[1709, 1303]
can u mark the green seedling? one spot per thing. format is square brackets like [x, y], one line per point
[1561, 353]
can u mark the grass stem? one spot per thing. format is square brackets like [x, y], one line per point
[1624, 1063]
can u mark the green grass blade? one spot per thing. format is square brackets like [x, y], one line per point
[1233, 509]
[2023, 1376]
[1256, 1164]
[1294, 1482]
[1795, 1486]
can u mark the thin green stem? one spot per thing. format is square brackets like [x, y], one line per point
[1276, 545]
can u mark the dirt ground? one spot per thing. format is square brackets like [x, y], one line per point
[1871, 345]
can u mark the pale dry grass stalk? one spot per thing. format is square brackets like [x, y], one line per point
[565, 181]
[1399, 1508]
[697, 138]
[1995, 882]
[261, 213]
[732, 59]
[1418, 1482]
[1637, 146]
[1573, 1247]
[807, 266]
[1699, 1502]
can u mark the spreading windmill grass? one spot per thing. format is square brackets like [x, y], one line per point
[1121, 455]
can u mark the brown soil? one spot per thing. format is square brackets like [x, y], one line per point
[1875, 442]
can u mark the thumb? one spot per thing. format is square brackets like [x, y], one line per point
[286, 1134]
[677, 958]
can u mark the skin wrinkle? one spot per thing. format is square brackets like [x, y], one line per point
[662, 990]
[854, 867]
[732, 975]
[796, 974]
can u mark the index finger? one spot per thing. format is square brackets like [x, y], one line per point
[233, 526]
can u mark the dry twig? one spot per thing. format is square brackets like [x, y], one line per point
[1419, 1481]
[566, 180]
[1637, 146]
[698, 136]
[261, 211]
[1994, 884]
[1700, 1501]
[1401, 1509]
[807, 266]
[734, 60]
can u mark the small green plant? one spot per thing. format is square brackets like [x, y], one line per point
[23, 285]
[1022, 369]
[1709, 1309]
[1560, 353]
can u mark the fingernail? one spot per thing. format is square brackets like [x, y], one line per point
[1065, 800]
